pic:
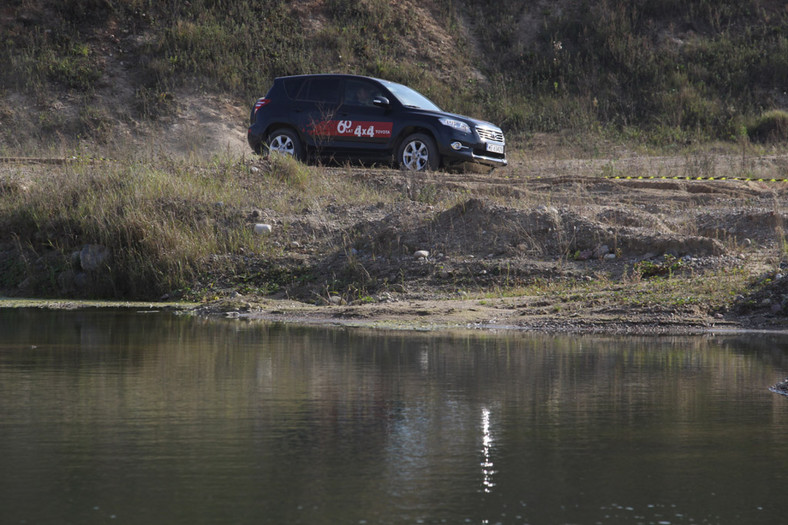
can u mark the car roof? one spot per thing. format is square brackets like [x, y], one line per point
[336, 75]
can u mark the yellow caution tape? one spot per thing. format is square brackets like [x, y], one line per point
[687, 178]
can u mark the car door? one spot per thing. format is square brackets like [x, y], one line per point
[363, 124]
[315, 109]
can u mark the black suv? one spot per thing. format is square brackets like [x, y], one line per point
[348, 116]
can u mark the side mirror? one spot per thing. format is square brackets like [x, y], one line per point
[381, 102]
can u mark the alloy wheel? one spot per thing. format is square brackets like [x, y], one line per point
[416, 155]
[282, 144]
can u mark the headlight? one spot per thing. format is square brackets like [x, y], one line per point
[456, 124]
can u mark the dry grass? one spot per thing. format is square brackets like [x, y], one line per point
[162, 219]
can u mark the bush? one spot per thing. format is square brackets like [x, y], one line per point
[772, 126]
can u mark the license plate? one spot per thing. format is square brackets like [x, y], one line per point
[495, 148]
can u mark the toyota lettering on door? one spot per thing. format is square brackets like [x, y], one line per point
[353, 129]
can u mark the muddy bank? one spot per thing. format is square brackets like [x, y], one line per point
[521, 313]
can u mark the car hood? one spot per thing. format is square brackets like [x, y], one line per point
[470, 120]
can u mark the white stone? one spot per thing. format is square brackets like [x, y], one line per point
[421, 254]
[262, 229]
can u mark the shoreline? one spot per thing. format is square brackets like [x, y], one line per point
[494, 316]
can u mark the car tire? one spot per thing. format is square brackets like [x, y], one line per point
[286, 142]
[418, 153]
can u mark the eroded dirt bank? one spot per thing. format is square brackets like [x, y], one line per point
[553, 245]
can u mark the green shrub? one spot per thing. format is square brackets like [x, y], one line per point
[667, 268]
[772, 126]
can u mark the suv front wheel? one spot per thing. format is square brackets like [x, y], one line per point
[418, 153]
[286, 142]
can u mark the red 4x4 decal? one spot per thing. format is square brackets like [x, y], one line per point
[351, 128]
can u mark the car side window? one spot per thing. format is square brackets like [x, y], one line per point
[321, 90]
[360, 93]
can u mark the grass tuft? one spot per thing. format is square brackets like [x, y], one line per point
[290, 171]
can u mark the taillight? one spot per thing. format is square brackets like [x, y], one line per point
[260, 103]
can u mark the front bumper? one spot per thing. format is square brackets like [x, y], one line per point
[460, 149]
[468, 154]
[485, 145]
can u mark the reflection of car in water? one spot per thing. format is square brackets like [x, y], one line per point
[354, 117]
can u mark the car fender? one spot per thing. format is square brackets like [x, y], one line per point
[414, 126]
[279, 125]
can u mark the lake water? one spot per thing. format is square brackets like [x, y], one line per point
[110, 416]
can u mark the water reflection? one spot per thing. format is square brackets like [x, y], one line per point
[168, 419]
[487, 442]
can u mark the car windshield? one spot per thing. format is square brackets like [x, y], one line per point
[410, 97]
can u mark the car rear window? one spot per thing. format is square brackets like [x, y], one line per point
[293, 86]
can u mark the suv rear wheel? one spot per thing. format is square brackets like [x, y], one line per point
[418, 153]
[286, 142]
